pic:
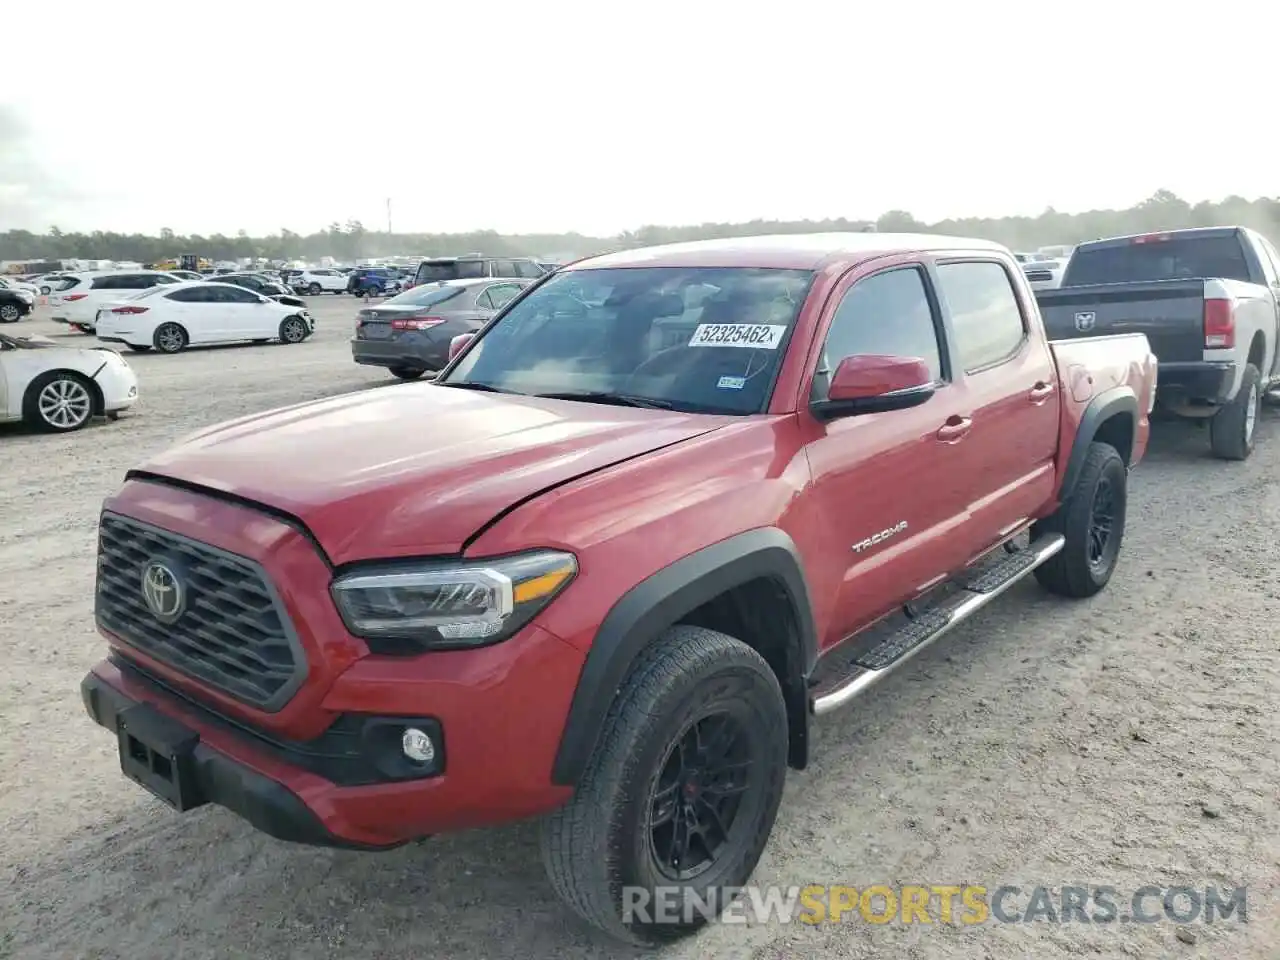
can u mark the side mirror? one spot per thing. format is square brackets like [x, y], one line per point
[875, 384]
[459, 343]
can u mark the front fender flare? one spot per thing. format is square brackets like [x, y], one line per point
[657, 602]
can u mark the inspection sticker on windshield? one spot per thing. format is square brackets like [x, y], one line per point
[732, 383]
[757, 336]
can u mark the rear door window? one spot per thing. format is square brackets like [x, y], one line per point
[527, 269]
[985, 315]
[470, 269]
[1185, 258]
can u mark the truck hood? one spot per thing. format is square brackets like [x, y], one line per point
[414, 470]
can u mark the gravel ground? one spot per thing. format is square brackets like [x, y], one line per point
[1127, 740]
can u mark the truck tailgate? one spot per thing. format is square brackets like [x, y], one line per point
[1169, 312]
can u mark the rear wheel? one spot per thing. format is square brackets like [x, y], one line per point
[1231, 431]
[680, 796]
[170, 338]
[1092, 523]
[58, 402]
[137, 348]
[82, 327]
[293, 330]
[407, 373]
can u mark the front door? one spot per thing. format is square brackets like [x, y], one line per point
[890, 487]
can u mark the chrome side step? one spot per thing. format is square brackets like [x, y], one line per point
[971, 592]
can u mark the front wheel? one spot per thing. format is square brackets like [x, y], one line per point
[137, 347]
[678, 800]
[407, 373]
[314, 290]
[58, 402]
[9, 313]
[293, 330]
[82, 327]
[1092, 523]
[1231, 431]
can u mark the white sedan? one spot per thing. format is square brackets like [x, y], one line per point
[170, 318]
[59, 389]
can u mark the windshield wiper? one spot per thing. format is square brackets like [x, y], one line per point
[474, 385]
[602, 396]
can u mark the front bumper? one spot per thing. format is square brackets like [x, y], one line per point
[216, 778]
[496, 745]
[119, 386]
[1195, 382]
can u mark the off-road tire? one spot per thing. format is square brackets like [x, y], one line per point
[170, 338]
[1069, 573]
[406, 373]
[600, 842]
[1231, 431]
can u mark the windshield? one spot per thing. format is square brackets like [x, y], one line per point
[1175, 259]
[689, 338]
[423, 296]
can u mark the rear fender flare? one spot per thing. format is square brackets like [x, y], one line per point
[1118, 401]
[655, 603]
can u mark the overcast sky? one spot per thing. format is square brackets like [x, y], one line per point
[604, 116]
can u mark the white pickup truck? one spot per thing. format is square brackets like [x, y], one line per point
[1208, 300]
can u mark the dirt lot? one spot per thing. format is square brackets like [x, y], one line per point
[1126, 741]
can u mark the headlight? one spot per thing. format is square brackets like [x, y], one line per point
[450, 605]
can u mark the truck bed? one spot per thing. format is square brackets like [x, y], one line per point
[1111, 361]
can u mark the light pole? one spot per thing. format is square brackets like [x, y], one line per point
[388, 216]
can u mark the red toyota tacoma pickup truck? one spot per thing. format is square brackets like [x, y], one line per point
[663, 510]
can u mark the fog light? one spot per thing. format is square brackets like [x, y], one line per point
[417, 746]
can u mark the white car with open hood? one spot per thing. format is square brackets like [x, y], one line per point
[59, 389]
[171, 318]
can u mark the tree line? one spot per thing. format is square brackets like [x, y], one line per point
[352, 240]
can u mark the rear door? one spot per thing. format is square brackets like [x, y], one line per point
[1009, 387]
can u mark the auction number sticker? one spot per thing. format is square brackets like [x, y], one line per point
[757, 336]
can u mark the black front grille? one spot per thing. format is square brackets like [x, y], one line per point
[231, 633]
[1039, 275]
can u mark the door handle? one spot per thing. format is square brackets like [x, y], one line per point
[1041, 391]
[954, 429]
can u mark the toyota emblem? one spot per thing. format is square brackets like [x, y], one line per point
[163, 592]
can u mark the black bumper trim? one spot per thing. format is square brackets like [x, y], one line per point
[1195, 380]
[267, 805]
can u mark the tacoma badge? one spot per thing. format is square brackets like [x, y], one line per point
[880, 537]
